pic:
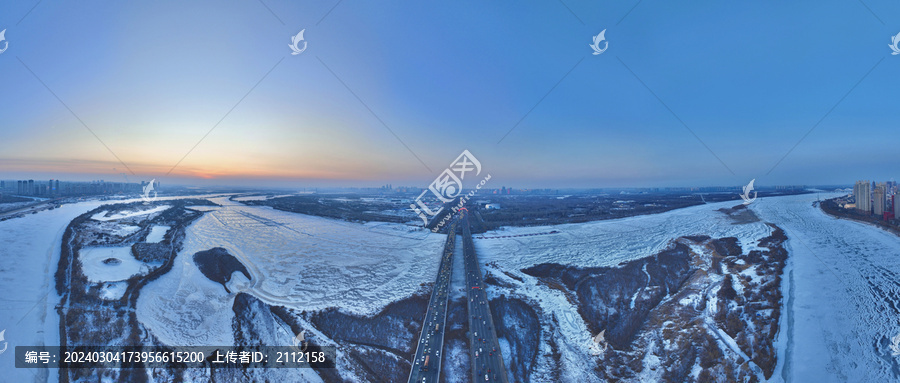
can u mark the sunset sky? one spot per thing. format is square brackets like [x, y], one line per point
[749, 79]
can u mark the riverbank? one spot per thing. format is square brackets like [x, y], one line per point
[832, 209]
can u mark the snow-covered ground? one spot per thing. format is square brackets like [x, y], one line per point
[102, 216]
[113, 290]
[110, 264]
[842, 288]
[252, 198]
[298, 261]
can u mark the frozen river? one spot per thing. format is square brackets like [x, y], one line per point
[845, 295]
[842, 282]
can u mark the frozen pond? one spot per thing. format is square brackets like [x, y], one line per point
[109, 264]
[157, 233]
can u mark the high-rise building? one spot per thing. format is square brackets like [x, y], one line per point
[30, 190]
[862, 192]
[879, 198]
[897, 205]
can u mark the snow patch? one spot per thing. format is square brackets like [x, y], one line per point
[113, 290]
[102, 216]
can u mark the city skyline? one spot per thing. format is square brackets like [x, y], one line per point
[684, 96]
[9, 185]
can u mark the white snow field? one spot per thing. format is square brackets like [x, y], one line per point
[110, 264]
[295, 260]
[102, 216]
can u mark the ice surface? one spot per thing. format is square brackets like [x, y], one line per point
[298, 261]
[29, 252]
[844, 293]
[157, 233]
[608, 243]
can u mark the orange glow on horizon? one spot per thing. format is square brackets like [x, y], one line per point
[224, 172]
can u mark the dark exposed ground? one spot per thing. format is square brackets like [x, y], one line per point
[516, 209]
[601, 290]
[740, 214]
[517, 323]
[13, 199]
[217, 265]
[349, 207]
[546, 210]
[657, 305]
[529, 210]
[382, 345]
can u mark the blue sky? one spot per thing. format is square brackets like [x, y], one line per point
[150, 79]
